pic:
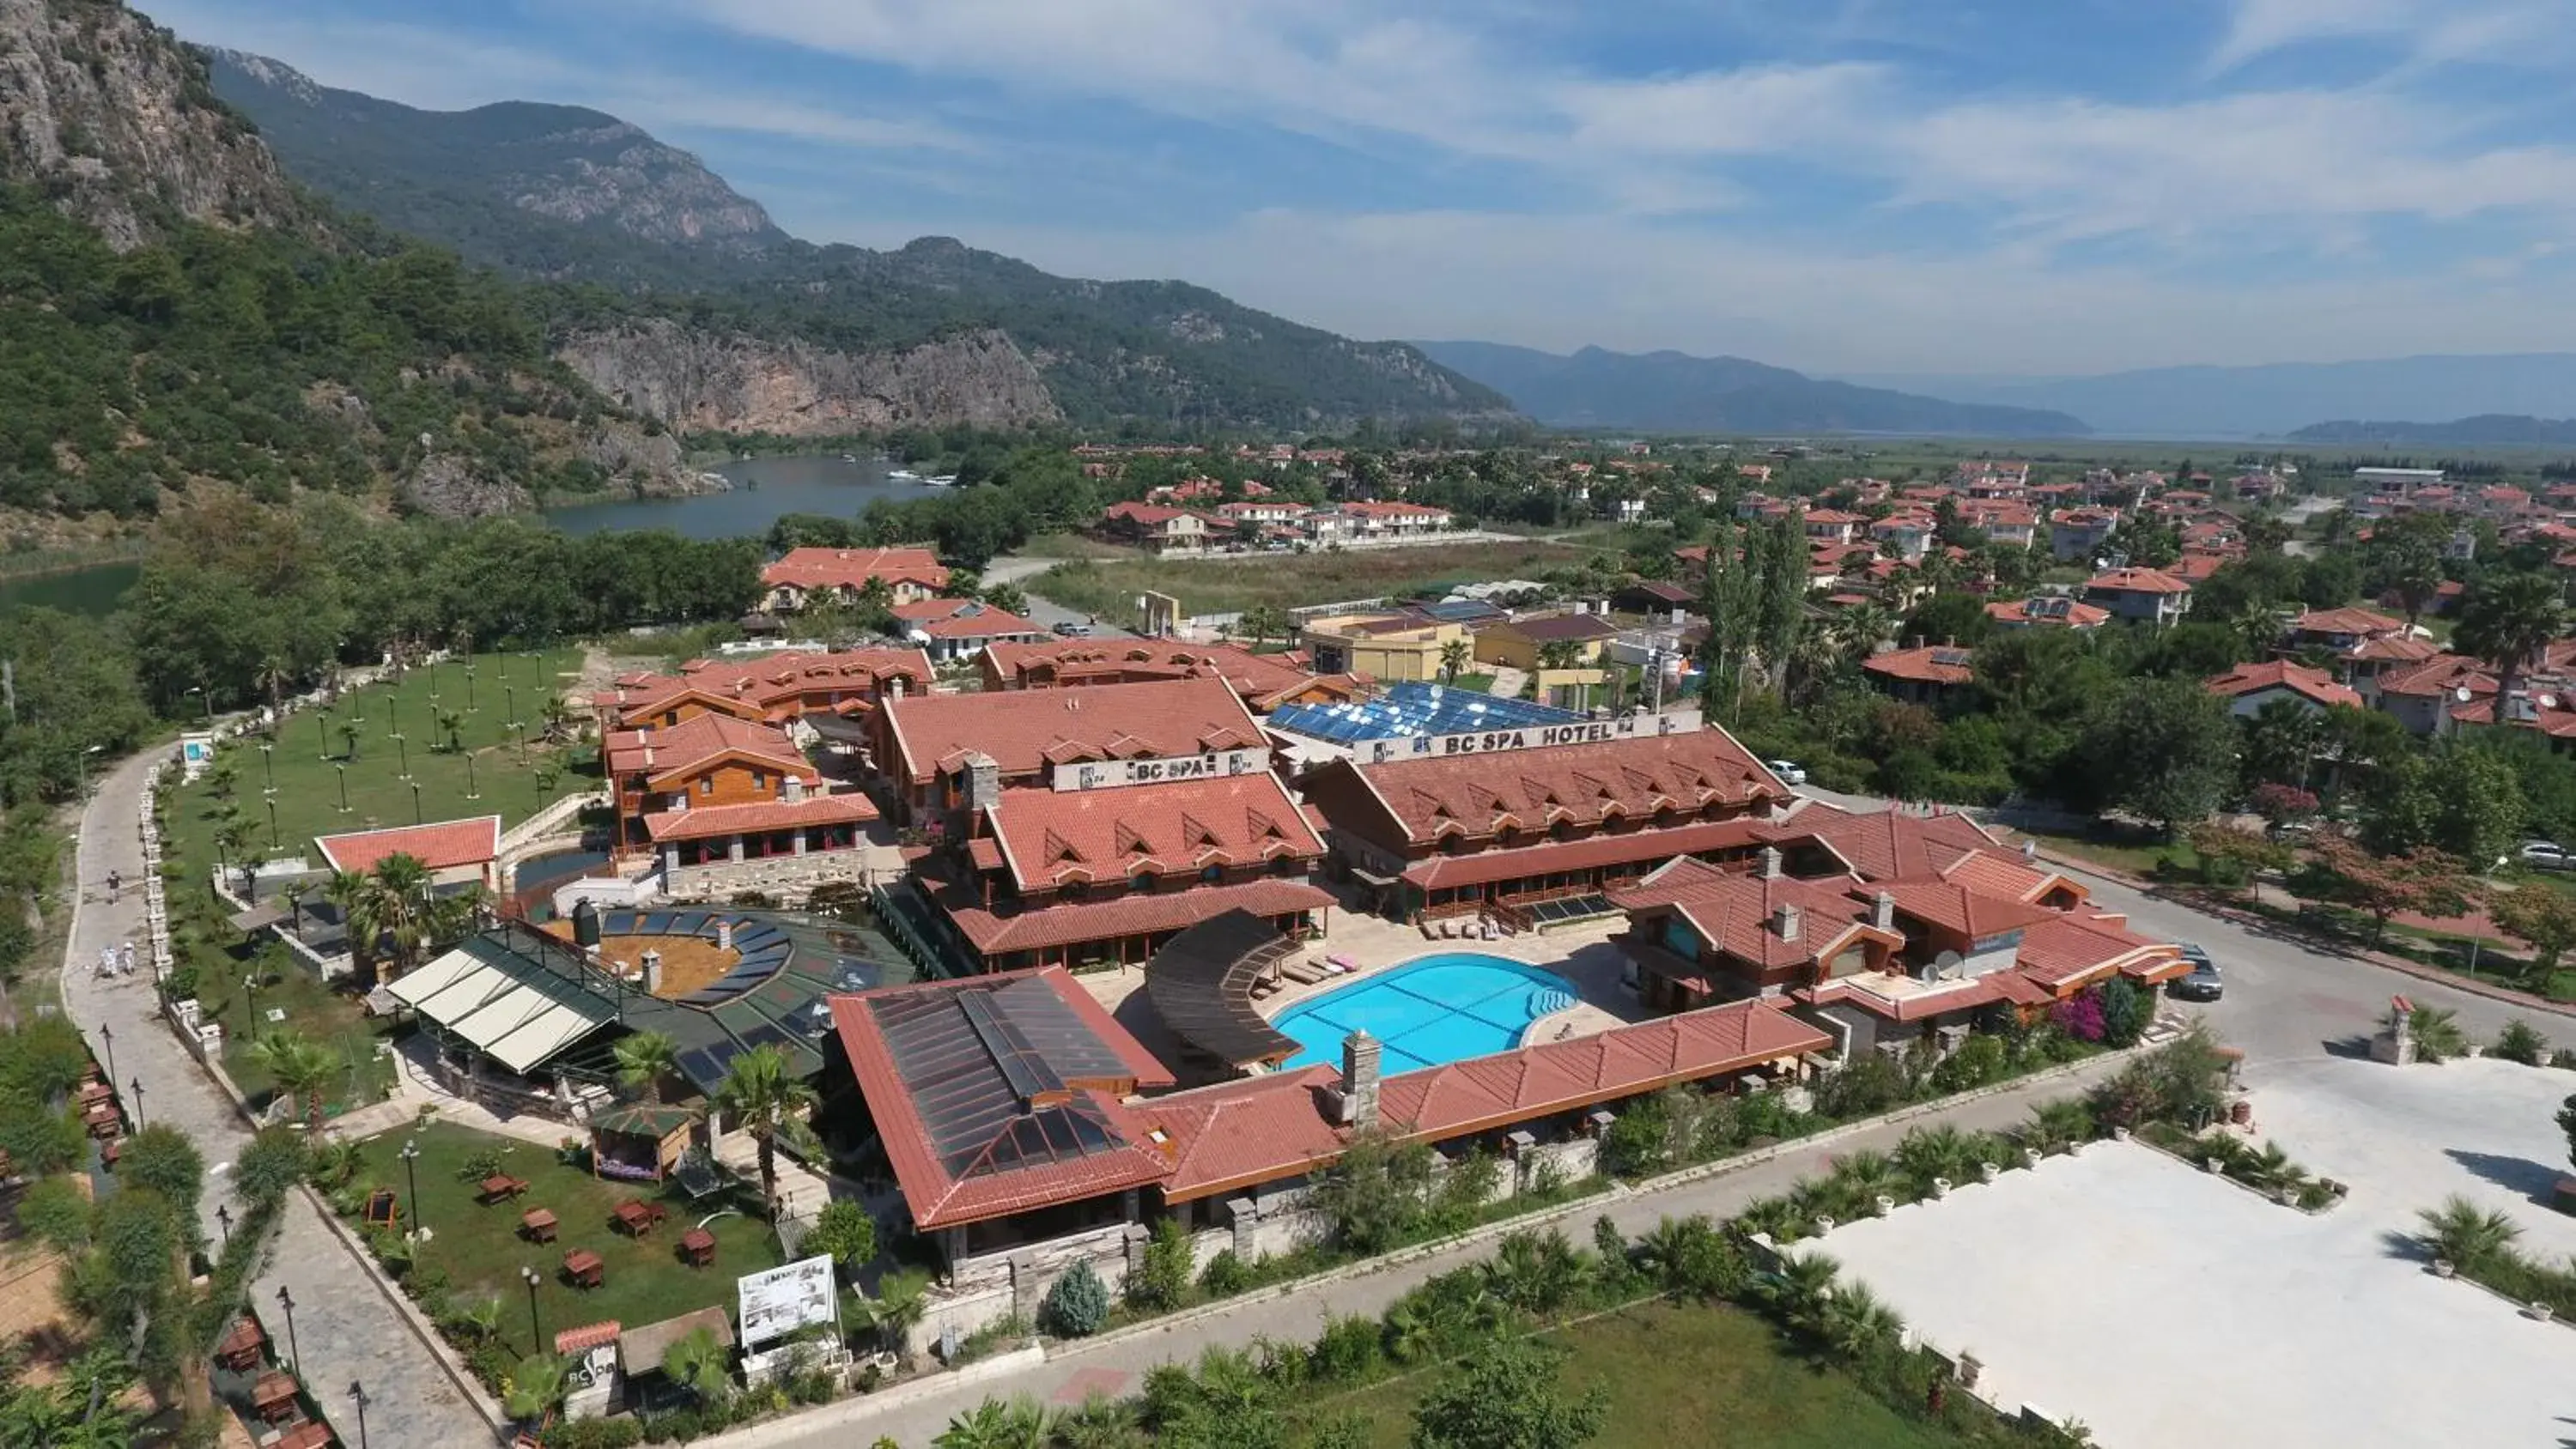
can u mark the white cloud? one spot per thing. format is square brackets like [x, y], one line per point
[1757, 110]
[2432, 30]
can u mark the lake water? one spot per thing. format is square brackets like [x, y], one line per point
[93, 591]
[765, 490]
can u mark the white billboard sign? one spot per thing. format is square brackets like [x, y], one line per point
[1527, 737]
[780, 1301]
[1113, 774]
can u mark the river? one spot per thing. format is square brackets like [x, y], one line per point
[765, 490]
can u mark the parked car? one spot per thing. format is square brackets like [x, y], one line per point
[1071, 630]
[2546, 855]
[2202, 982]
[1789, 771]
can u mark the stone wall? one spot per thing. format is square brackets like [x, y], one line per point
[784, 876]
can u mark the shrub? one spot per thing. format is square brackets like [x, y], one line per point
[1635, 1143]
[2079, 1017]
[1078, 1303]
[1345, 1350]
[483, 1164]
[844, 1230]
[1225, 1275]
[2521, 1042]
[1978, 1061]
[1162, 1280]
[622, 1432]
[2564, 1057]
[2466, 1234]
[2438, 1036]
[1867, 1085]
[2125, 1013]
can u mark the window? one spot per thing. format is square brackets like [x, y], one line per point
[759, 779]
[706, 784]
[1142, 883]
[1212, 874]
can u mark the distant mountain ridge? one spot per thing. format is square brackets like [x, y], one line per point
[2275, 400]
[1674, 392]
[2488, 430]
[714, 318]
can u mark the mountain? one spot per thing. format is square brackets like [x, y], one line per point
[711, 318]
[177, 316]
[548, 190]
[1672, 392]
[2488, 430]
[2277, 399]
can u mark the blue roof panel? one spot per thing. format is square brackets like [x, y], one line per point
[1409, 710]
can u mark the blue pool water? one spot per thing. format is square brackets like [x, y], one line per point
[1431, 1010]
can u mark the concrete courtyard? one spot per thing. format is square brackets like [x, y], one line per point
[2162, 1305]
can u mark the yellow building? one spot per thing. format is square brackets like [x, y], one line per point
[1517, 643]
[1390, 647]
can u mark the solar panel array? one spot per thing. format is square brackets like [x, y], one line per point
[973, 1060]
[1412, 709]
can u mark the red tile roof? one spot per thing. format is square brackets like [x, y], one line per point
[2137, 581]
[2346, 621]
[2395, 648]
[698, 742]
[770, 682]
[439, 845]
[2077, 615]
[1739, 914]
[1641, 847]
[1024, 731]
[1482, 1093]
[758, 817]
[1069, 923]
[1955, 906]
[2072, 948]
[1244, 1133]
[1049, 837]
[1260, 678]
[963, 619]
[1394, 510]
[1628, 779]
[2311, 684]
[586, 1337]
[1932, 664]
[815, 567]
[2441, 674]
[1884, 844]
[1996, 874]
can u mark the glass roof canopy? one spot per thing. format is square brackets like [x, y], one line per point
[1413, 709]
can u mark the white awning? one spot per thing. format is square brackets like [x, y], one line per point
[518, 1021]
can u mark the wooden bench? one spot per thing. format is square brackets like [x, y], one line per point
[501, 1186]
[585, 1268]
[638, 1217]
[537, 1225]
[697, 1247]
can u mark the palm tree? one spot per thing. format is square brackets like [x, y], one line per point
[451, 723]
[400, 885]
[2257, 626]
[2507, 622]
[1870, 1175]
[762, 1095]
[1856, 1323]
[2055, 1126]
[2271, 1169]
[992, 1424]
[645, 1058]
[1930, 1152]
[1535, 1272]
[1454, 659]
[303, 1068]
[348, 739]
[2460, 1232]
[1856, 632]
[536, 1386]
[1799, 1289]
[902, 1301]
[353, 894]
[699, 1364]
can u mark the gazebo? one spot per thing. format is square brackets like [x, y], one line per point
[1201, 983]
[639, 1142]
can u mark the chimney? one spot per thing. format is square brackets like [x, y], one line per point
[724, 934]
[1359, 1081]
[652, 972]
[1882, 911]
[1786, 921]
[984, 779]
[2030, 849]
[1770, 862]
[792, 789]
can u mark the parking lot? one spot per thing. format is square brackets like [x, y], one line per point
[2162, 1305]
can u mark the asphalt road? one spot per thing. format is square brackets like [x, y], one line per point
[1041, 610]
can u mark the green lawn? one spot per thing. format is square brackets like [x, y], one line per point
[2136, 854]
[333, 1018]
[1687, 1374]
[481, 1252]
[307, 757]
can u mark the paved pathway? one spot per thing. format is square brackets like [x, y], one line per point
[1116, 1367]
[1508, 682]
[344, 1326]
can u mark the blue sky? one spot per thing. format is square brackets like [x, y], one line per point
[1888, 186]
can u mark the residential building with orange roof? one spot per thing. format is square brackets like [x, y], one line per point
[1396, 520]
[809, 575]
[2247, 688]
[715, 791]
[945, 756]
[1460, 833]
[2422, 696]
[1264, 681]
[772, 688]
[2080, 533]
[2047, 611]
[2342, 630]
[948, 629]
[2139, 595]
[1926, 675]
[1157, 528]
[454, 852]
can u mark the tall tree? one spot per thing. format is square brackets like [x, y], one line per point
[2507, 622]
[645, 1059]
[2162, 748]
[762, 1095]
[1782, 601]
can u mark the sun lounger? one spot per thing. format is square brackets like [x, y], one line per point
[1301, 973]
[1427, 933]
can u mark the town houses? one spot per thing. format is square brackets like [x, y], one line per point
[806, 576]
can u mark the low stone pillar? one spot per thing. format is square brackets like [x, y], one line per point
[1024, 1285]
[1247, 1220]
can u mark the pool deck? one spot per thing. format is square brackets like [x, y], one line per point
[1581, 954]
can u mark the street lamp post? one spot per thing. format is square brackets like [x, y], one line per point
[268, 763]
[322, 729]
[84, 768]
[250, 1000]
[224, 1221]
[286, 1300]
[107, 1039]
[272, 820]
[344, 787]
[410, 1155]
[391, 723]
[469, 689]
[358, 1396]
[536, 1331]
[415, 802]
[138, 1101]
[402, 753]
[510, 696]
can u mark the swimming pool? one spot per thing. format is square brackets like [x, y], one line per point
[1430, 1010]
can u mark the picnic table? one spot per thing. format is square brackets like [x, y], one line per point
[538, 1224]
[93, 1093]
[697, 1247]
[501, 1185]
[273, 1397]
[585, 1268]
[240, 1348]
[306, 1435]
[638, 1217]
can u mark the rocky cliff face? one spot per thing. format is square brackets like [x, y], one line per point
[694, 380]
[100, 108]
